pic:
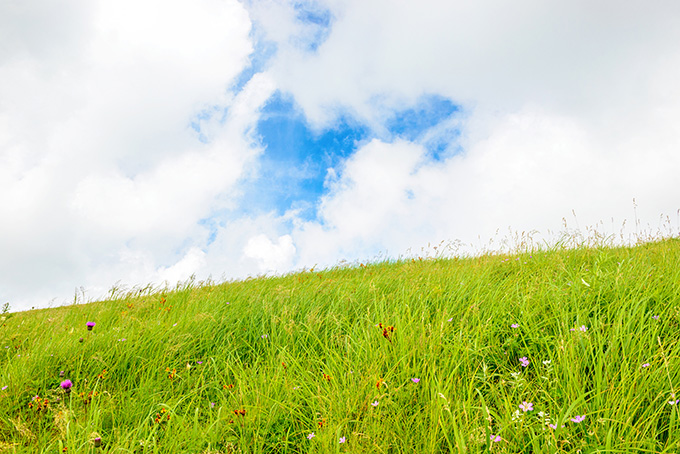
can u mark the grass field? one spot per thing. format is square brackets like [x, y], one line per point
[567, 350]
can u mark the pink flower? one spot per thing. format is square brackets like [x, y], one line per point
[524, 361]
[310, 436]
[375, 404]
[514, 325]
[342, 440]
[415, 380]
[526, 406]
[645, 365]
[495, 438]
[583, 328]
[577, 419]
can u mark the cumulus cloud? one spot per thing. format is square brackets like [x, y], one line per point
[99, 165]
[569, 107]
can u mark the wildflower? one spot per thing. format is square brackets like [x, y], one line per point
[415, 380]
[97, 442]
[175, 324]
[526, 406]
[673, 402]
[578, 418]
[199, 362]
[80, 340]
[514, 325]
[554, 426]
[516, 415]
[583, 328]
[66, 385]
[375, 404]
[90, 325]
[342, 440]
[495, 438]
[310, 436]
[524, 361]
[655, 317]
[4, 387]
[450, 320]
[264, 336]
[645, 365]
[212, 404]
[546, 362]
[61, 373]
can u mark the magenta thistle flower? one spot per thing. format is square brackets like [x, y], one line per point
[526, 406]
[66, 385]
[342, 440]
[97, 442]
[90, 325]
[310, 436]
[415, 380]
[578, 418]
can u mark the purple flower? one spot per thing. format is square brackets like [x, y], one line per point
[673, 402]
[583, 328]
[577, 419]
[645, 365]
[66, 385]
[450, 320]
[514, 325]
[415, 380]
[554, 426]
[655, 317]
[524, 361]
[375, 404]
[310, 436]
[199, 362]
[212, 404]
[495, 438]
[526, 406]
[342, 440]
[90, 325]
[4, 387]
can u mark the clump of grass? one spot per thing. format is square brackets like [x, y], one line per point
[568, 350]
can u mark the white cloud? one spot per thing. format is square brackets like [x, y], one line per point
[570, 106]
[101, 175]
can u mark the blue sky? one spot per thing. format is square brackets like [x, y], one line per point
[145, 143]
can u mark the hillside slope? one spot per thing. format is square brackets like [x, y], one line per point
[549, 351]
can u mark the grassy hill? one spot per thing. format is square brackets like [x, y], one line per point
[549, 351]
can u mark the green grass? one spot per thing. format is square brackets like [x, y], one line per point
[302, 354]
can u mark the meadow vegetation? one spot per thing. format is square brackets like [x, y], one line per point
[559, 350]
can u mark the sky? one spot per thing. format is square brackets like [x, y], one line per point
[144, 142]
